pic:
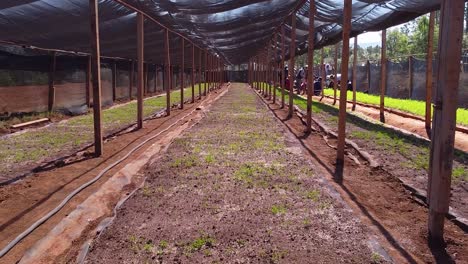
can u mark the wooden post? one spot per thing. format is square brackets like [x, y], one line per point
[445, 107]
[310, 62]
[430, 49]
[88, 82]
[132, 78]
[292, 54]
[96, 73]
[383, 75]
[410, 73]
[444, 123]
[206, 74]
[335, 82]
[168, 72]
[53, 65]
[193, 73]
[275, 83]
[199, 73]
[182, 81]
[140, 68]
[344, 81]
[146, 67]
[114, 81]
[324, 74]
[355, 72]
[155, 77]
[368, 76]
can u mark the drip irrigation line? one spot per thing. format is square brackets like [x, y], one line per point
[51, 213]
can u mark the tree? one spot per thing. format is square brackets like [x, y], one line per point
[418, 38]
[397, 44]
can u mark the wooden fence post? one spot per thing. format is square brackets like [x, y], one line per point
[193, 73]
[445, 107]
[344, 81]
[96, 73]
[140, 68]
[335, 83]
[182, 79]
[88, 82]
[310, 62]
[168, 72]
[383, 75]
[114, 80]
[324, 73]
[410, 72]
[292, 54]
[53, 65]
[283, 72]
[199, 73]
[132, 78]
[430, 49]
[354, 83]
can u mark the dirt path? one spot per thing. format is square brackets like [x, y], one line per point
[25, 201]
[235, 188]
[409, 124]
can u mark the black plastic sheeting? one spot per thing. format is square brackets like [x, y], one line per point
[236, 30]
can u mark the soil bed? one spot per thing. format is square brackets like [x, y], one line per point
[235, 189]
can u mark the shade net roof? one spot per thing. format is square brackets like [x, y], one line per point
[235, 30]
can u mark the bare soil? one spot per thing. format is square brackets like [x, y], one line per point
[236, 188]
[387, 206]
[404, 157]
[25, 201]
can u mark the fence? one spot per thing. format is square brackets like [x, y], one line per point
[24, 82]
[406, 79]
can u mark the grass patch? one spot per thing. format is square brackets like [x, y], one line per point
[200, 242]
[278, 209]
[407, 105]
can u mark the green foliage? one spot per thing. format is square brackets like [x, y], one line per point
[200, 242]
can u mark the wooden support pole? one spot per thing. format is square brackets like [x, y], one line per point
[275, 83]
[53, 65]
[268, 73]
[383, 75]
[445, 107]
[324, 74]
[140, 68]
[199, 73]
[335, 82]
[192, 77]
[354, 83]
[168, 72]
[206, 74]
[292, 54]
[96, 73]
[145, 90]
[132, 79]
[430, 49]
[310, 68]
[182, 72]
[368, 76]
[410, 73]
[344, 81]
[155, 77]
[114, 80]
[88, 82]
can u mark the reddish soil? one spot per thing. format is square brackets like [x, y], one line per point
[407, 160]
[409, 124]
[25, 201]
[384, 203]
[236, 188]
